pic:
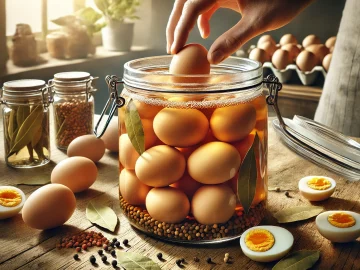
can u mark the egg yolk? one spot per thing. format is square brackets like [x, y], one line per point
[259, 240]
[10, 198]
[319, 183]
[341, 220]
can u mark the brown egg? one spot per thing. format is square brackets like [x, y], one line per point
[77, 173]
[268, 47]
[320, 51]
[306, 61]
[331, 49]
[326, 62]
[48, 207]
[281, 59]
[214, 163]
[288, 39]
[111, 136]
[265, 38]
[293, 50]
[225, 122]
[244, 145]
[150, 137]
[132, 189]
[145, 110]
[259, 55]
[190, 60]
[330, 42]
[160, 166]
[180, 127]
[309, 40]
[87, 146]
[121, 118]
[213, 204]
[187, 185]
[167, 204]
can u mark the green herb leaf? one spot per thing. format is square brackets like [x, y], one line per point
[12, 124]
[36, 137]
[27, 129]
[134, 261]
[297, 213]
[21, 114]
[101, 215]
[102, 5]
[303, 259]
[36, 181]
[246, 185]
[134, 127]
[65, 20]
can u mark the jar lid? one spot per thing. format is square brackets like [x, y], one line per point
[72, 82]
[26, 90]
[72, 76]
[24, 85]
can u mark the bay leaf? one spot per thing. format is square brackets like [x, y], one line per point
[297, 213]
[21, 114]
[303, 259]
[27, 129]
[38, 181]
[36, 137]
[12, 125]
[246, 185]
[135, 261]
[101, 215]
[134, 127]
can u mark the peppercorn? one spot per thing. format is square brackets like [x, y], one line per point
[76, 256]
[117, 244]
[196, 259]
[105, 247]
[78, 249]
[125, 242]
[84, 247]
[104, 258]
[100, 252]
[227, 255]
[287, 194]
[208, 260]
[92, 259]
[114, 240]
[178, 263]
[113, 252]
[182, 260]
[114, 263]
[159, 255]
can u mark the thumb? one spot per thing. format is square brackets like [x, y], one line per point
[231, 40]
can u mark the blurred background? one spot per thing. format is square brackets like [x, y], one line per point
[39, 38]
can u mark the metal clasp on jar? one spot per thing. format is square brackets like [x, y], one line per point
[114, 102]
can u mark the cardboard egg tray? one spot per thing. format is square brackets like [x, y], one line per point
[307, 77]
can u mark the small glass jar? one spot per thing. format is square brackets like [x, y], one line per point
[26, 123]
[193, 149]
[73, 106]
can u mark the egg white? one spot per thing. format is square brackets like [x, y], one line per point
[7, 212]
[313, 194]
[283, 243]
[335, 234]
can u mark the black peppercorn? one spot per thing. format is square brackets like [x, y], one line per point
[125, 242]
[178, 263]
[100, 252]
[114, 263]
[208, 260]
[196, 259]
[159, 255]
[113, 252]
[76, 256]
[104, 258]
[106, 247]
[182, 260]
[92, 259]
[114, 240]
[117, 244]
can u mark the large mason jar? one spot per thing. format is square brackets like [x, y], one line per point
[26, 123]
[193, 150]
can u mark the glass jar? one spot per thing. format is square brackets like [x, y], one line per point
[193, 149]
[73, 106]
[26, 123]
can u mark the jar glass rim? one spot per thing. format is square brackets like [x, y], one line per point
[151, 73]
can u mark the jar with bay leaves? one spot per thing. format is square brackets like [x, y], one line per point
[73, 106]
[193, 149]
[26, 123]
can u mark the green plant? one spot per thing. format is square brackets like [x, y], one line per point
[118, 10]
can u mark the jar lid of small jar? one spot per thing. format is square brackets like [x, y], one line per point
[72, 82]
[73, 76]
[25, 85]
[26, 90]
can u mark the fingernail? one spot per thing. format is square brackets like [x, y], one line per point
[217, 57]
[172, 49]
[201, 32]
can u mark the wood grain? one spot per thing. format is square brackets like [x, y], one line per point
[25, 248]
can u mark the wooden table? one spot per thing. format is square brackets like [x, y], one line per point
[25, 248]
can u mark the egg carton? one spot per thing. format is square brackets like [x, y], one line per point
[307, 77]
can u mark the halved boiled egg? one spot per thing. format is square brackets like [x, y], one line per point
[339, 226]
[317, 188]
[266, 243]
[12, 200]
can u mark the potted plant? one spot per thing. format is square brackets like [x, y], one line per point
[118, 33]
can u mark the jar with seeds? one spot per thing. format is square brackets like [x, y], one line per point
[73, 106]
[26, 123]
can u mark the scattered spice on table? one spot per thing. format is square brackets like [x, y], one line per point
[104, 258]
[117, 244]
[125, 242]
[178, 262]
[114, 263]
[82, 240]
[100, 252]
[208, 260]
[113, 252]
[92, 259]
[76, 256]
[159, 255]
[287, 194]
[196, 259]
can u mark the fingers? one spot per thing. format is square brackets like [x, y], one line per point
[191, 10]
[173, 20]
[204, 19]
[231, 40]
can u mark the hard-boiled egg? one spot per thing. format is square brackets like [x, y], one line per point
[317, 188]
[12, 200]
[339, 226]
[266, 243]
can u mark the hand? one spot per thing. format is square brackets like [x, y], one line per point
[258, 16]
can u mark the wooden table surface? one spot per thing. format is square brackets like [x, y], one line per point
[26, 248]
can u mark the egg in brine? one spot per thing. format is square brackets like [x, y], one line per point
[317, 188]
[266, 243]
[339, 226]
